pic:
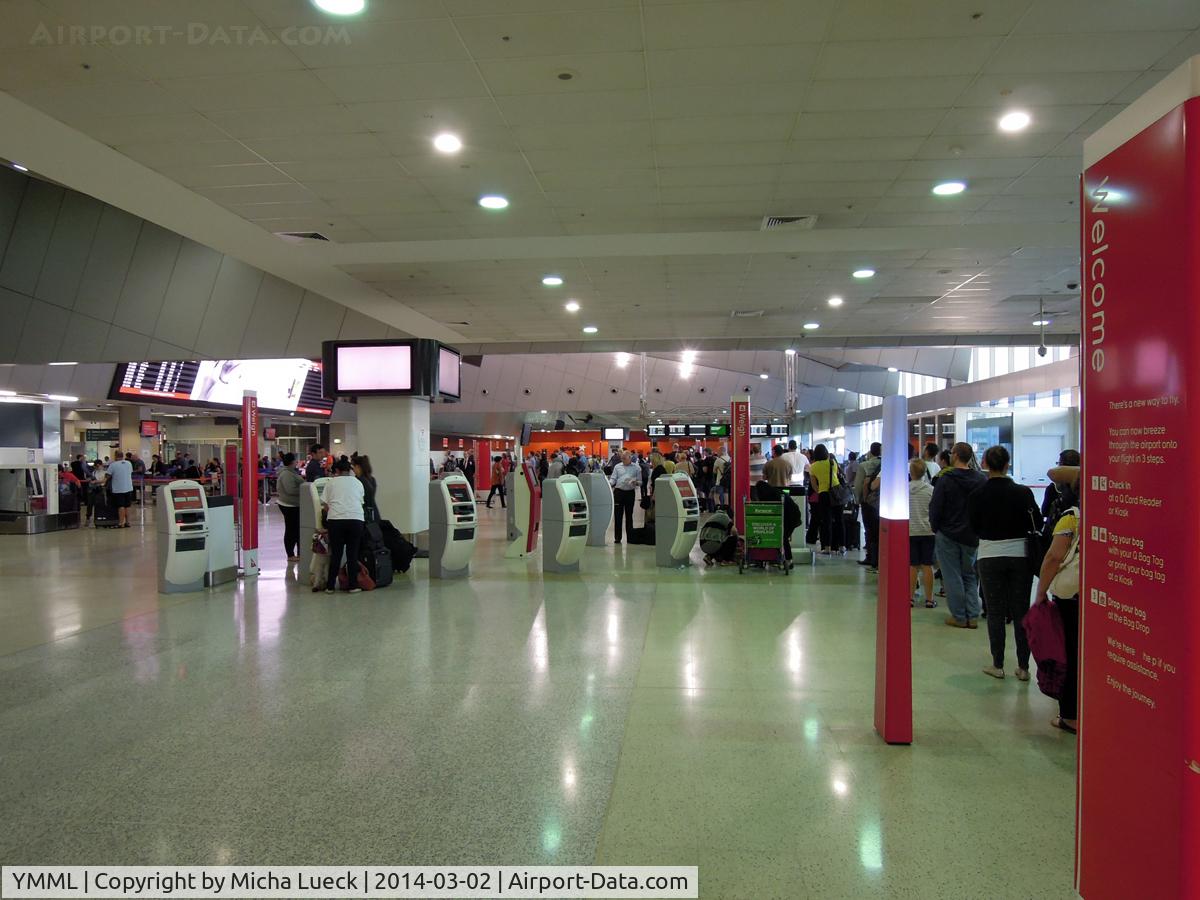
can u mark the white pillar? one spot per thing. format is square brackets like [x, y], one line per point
[394, 432]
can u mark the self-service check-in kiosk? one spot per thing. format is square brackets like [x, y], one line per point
[311, 493]
[564, 523]
[676, 519]
[452, 525]
[600, 506]
[524, 512]
[182, 537]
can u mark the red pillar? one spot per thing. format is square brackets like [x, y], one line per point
[250, 484]
[739, 458]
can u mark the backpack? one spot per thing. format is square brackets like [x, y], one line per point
[714, 532]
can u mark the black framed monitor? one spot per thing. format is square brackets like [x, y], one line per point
[292, 386]
[656, 431]
[779, 431]
[697, 431]
[677, 430]
[526, 434]
[449, 372]
[758, 431]
[614, 434]
[416, 367]
[718, 431]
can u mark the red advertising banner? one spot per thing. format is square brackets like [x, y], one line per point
[739, 458]
[1139, 739]
[250, 483]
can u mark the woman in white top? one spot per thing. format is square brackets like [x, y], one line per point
[920, 533]
[343, 505]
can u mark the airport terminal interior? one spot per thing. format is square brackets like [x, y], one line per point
[587, 326]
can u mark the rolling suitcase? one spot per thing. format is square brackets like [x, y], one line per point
[401, 550]
[379, 565]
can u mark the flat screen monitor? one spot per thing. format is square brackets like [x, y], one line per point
[677, 430]
[449, 373]
[684, 487]
[656, 431]
[758, 431]
[718, 431]
[526, 434]
[571, 491]
[373, 369]
[270, 434]
[459, 492]
[282, 385]
[148, 428]
[615, 434]
[697, 430]
[779, 431]
[187, 498]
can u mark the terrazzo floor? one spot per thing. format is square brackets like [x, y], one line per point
[627, 715]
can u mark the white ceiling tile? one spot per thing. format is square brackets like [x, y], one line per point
[676, 102]
[347, 147]
[138, 129]
[552, 34]
[720, 154]
[288, 192]
[1135, 51]
[162, 154]
[382, 43]
[28, 67]
[731, 65]
[721, 129]
[591, 158]
[1100, 16]
[1180, 53]
[465, 8]
[481, 165]
[757, 194]
[946, 169]
[597, 178]
[866, 170]
[726, 24]
[286, 121]
[557, 135]
[540, 74]
[205, 53]
[382, 203]
[284, 13]
[341, 189]
[980, 120]
[884, 93]
[1003, 92]
[857, 149]
[101, 100]
[924, 57]
[591, 106]
[884, 123]
[716, 175]
[221, 176]
[797, 192]
[420, 81]
[29, 23]
[382, 168]
[996, 144]
[461, 115]
[266, 90]
[864, 20]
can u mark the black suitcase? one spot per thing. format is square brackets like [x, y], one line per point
[852, 528]
[379, 565]
[401, 550]
[104, 514]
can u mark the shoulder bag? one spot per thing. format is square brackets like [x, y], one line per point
[1066, 582]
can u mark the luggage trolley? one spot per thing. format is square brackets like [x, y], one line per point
[763, 541]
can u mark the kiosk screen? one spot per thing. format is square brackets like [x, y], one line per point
[685, 489]
[187, 498]
[571, 491]
[459, 492]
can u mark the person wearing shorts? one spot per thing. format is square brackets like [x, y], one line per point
[120, 485]
[921, 541]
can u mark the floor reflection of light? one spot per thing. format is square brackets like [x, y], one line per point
[585, 723]
[811, 729]
[691, 681]
[569, 777]
[552, 836]
[840, 787]
[270, 614]
[870, 847]
[795, 656]
[539, 644]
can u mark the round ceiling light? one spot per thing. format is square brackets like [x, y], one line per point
[864, 273]
[493, 201]
[571, 306]
[835, 301]
[1017, 120]
[341, 7]
[949, 188]
[811, 326]
[590, 329]
[447, 142]
[552, 280]
[841, 390]
[764, 376]
[790, 352]
[893, 369]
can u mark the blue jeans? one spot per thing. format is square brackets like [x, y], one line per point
[957, 562]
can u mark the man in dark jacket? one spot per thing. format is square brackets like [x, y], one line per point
[315, 467]
[957, 544]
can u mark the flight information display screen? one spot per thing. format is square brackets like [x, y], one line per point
[656, 431]
[282, 385]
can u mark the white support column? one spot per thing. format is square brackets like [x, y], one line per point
[394, 432]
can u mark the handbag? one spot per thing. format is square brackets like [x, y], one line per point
[1035, 547]
[1066, 581]
[840, 493]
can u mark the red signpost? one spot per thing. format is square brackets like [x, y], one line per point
[250, 484]
[739, 459]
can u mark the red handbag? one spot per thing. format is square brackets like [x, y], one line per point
[364, 579]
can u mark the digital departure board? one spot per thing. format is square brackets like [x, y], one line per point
[282, 385]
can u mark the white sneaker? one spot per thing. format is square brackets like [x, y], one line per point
[994, 672]
[355, 591]
[329, 590]
[1022, 674]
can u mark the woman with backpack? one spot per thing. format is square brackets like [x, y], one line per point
[1059, 576]
[827, 483]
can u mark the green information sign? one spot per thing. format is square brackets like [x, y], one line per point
[764, 525]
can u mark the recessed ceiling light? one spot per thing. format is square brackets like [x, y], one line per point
[836, 301]
[864, 273]
[341, 7]
[949, 188]
[19, 167]
[1041, 321]
[689, 356]
[64, 398]
[590, 329]
[493, 201]
[545, 412]
[63, 364]
[622, 360]
[8, 393]
[764, 376]
[571, 306]
[841, 390]
[1016, 120]
[893, 369]
[811, 326]
[447, 142]
[790, 352]
[552, 280]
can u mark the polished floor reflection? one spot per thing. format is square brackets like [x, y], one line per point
[627, 715]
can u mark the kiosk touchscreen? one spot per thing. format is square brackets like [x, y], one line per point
[182, 537]
[524, 512]
[564, 523]
[310, 519]
[676, 519]
[600, 506]
[452, 527]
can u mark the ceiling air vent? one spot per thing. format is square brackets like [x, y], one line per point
[301, 235]
[746, 314]
[791, 223]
